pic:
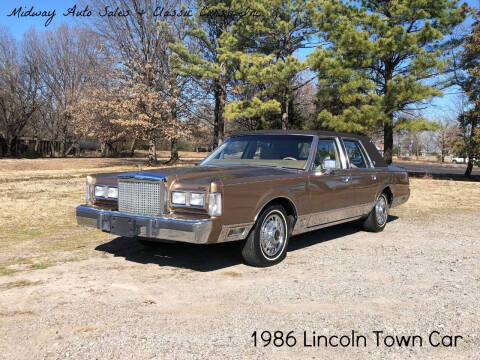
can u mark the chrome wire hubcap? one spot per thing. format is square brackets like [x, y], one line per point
[381, 210]
[272, 235]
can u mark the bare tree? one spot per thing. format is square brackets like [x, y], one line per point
[445, 137]
[141, 41]
[19, 88]
[67, 59]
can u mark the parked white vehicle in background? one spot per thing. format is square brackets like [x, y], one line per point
[459, 160]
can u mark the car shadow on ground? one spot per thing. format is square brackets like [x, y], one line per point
[205, 258]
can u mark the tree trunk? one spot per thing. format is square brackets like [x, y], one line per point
[63, 145]
[471, 146]
[216, 119]
[468, 172]
[173, 151]
[388, 140]
[220, 92]
[132, 147]
[3, 147]
[152, 150]
[74, 144]
[12, 147]
[103, 149]
[52, 148]
[221, 122]
[286, 102]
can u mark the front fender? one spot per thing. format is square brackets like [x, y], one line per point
[270, 196]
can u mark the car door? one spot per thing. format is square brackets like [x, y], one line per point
[362, 174]
[329, 183]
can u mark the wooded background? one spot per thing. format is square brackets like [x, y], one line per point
[147, 80]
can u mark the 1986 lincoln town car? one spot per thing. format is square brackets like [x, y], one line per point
[260, 188]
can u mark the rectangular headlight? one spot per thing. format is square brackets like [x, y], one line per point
[112, 193]
[215, 204]
[100, 191]
[179, 198]
[197, 199]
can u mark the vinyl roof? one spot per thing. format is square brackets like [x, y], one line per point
[301, 132]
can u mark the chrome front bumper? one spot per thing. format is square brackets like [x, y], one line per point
[165, 228]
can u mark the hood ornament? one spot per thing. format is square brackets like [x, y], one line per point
[139, 167]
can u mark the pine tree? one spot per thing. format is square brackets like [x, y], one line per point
[383, 57]
[470, 82]
[268, 62]
[212, 59]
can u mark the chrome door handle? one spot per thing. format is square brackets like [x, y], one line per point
[346, 178]
[374, 177]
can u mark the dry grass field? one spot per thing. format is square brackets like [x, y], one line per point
[44, 256]
[37, 202]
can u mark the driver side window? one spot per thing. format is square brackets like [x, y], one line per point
[327, 156]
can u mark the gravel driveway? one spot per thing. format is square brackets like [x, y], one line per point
[184, 301]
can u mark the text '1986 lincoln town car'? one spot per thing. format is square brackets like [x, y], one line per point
[260, 188]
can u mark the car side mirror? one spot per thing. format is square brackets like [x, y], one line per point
[328, 167]
[326, 172]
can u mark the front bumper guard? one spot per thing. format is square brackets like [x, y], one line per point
[165, 228]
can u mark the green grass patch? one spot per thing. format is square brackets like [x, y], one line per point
[39, 266]
[4, 271]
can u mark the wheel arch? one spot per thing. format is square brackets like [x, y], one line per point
[389, 193]
[283, 200]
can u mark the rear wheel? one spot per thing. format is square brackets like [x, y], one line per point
[377, 219]
[266, 245]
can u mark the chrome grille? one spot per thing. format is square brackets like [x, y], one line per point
[141, 197]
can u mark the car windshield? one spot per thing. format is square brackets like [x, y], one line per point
[289, 151]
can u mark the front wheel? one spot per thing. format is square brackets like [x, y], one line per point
[377, 219]
[266, 245]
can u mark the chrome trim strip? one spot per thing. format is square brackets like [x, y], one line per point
[161, 227]
[344, 150]
[311, 155]
[331, 217]
[148, 176]
[341, 150]
[87, 194]
[321, 226]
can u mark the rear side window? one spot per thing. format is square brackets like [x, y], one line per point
[356, 156]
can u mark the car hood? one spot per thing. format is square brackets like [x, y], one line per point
[198, 175]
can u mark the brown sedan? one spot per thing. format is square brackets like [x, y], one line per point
[260, 188]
